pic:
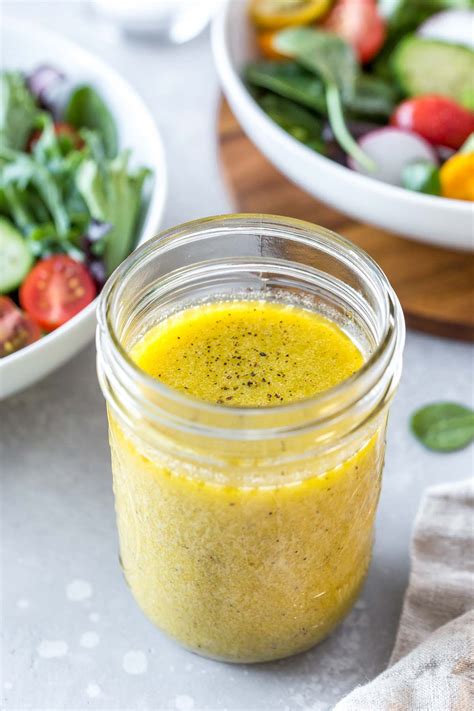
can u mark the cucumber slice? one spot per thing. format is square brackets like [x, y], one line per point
[15, 257]
[424, 66]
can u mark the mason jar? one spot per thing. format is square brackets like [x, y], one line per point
[246, 533]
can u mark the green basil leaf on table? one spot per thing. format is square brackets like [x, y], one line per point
[443, 426]
[331, 59]
[296, 120]
[86, 109]
[421, 176]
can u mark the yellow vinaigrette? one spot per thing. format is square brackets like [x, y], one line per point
[248, 353]
[257, 572]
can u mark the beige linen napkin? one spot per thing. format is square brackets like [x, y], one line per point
[432, 664]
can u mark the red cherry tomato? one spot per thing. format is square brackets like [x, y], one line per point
[55, 290]
[440, 120]
[17, 330]
[360, 24]
[62, 130]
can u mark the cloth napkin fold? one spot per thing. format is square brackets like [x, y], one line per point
[432, 664]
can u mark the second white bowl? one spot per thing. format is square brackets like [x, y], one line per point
[24, 48]
[435, 220]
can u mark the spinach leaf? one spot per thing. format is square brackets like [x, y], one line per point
[113, 195]
[422, 177]
[373, 96]
[324, 54]
[18, 111]
[290, 80]
[333, 60]
[86, 109]
[296, 120]
[443, 426]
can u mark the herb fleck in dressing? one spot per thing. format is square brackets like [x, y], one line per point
[257, 572]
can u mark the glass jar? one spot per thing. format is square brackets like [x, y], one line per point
[246, 533]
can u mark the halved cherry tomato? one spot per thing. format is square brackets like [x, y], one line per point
[360, 24]
[439, 119]
[276, 14]
[62, 130]
[265, 44]
[17, 330]
[55, 290]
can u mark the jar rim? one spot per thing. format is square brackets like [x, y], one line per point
[386, 351]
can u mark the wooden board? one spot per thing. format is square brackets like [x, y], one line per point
[435, 286]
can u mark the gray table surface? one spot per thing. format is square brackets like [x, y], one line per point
[72, 637]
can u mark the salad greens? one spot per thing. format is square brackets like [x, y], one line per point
[18, 111]
[371, 95]
[443, 426]
[112, 194]
[295, 119]
[86, 109]
[403, 65]
[290, 80]
[333, 60]
[39, 183]
[69, 202]
[422, 177]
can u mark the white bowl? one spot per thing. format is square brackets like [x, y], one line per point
[435, 220]
[25, 47]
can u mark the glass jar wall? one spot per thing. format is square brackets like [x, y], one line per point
[246, 533]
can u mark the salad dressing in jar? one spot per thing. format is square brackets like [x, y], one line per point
[248, 363]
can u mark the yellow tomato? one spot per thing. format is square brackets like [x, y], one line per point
[457, 177]
[276, 14]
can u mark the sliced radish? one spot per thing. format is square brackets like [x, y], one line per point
[455, 26]
[392, 149]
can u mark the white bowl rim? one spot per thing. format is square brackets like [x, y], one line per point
[159, 188]
[231, 77]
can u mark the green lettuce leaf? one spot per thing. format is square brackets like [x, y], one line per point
[112, 194]
[18, 111]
